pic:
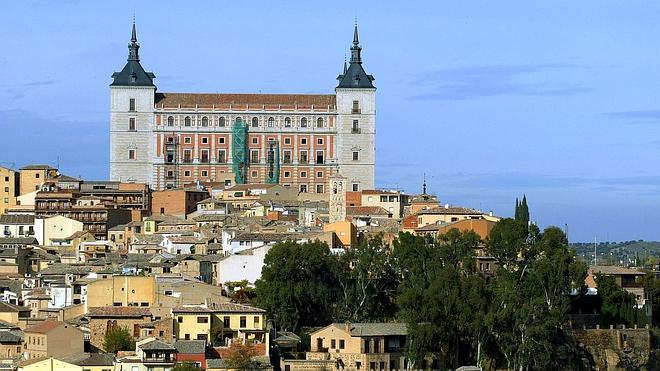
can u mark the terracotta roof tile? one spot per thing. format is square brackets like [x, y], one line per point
[192, 99]
[119, 312]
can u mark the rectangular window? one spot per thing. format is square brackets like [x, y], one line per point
[243, 322]
[319, 174]
[225, 322]
[254, 156]
[356, 106]
[303, 141]
[131, 154]
[287, 157]
[205, 140]
[187, 140]
[356, 187]
[205, 173]
[287, 140]
[319, 141]
[221, 140]
[257, 319]
[131, 124]
[356, 155]
[255, 141]
[303, 188]
[187, 156]
[303, 157]
[201, 336]
[319, 188]
[319, 157]
[131, 104]
[205, 156]
[179, 319]
[356, 127]
[342, 343]
[186, 173]
[222, 156]
[287, 174]
[333, 344]
[303, 174]
[383, 198]
[202, 320]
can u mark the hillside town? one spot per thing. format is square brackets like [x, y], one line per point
[246, 231]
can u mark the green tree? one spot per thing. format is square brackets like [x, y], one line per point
[298, 284]
[367, 282]
[240, 355]
[118, 339]
[507, 241]
[618, 306]
[186, 366]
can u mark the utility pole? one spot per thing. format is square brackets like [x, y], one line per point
[595, 253]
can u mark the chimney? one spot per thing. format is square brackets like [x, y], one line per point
[348, 326]
[490, 213]
[446, 206]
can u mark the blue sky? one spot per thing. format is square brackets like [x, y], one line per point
[557, 99]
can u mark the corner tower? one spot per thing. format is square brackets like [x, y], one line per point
[356, 122]
[132, 93]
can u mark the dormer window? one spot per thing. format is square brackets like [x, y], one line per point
[287, 122]
[319, 122]
[205, 121]
[170, 121]
[255, 122]
[187, 121]
[303, 122]
[221, 122]
[271, 122]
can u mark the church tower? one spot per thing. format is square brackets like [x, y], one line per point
[356, 122]
[337, 198]
[132, 94]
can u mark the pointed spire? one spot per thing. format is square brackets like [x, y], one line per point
[133, 33]
[133, 46]
[345, 65]
[424, 185]
[356, 49]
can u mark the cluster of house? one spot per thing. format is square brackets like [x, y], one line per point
[79, 258]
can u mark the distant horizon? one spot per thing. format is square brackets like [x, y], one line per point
[491, 101]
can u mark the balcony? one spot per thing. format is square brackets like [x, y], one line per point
[356, 131]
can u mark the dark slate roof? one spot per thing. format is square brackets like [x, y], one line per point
[133, 74]
[10, 337]
[90, 359]
[374, 329]
[18, 240]
[156, 345]
[355, 76]
[16, 219]
[190, 346]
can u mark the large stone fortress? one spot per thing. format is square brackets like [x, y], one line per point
[169, 140]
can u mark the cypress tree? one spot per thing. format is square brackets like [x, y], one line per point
[524, 211]
[517, 211]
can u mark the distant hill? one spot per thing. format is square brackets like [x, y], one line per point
[626, 252]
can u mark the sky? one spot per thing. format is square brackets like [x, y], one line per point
[556, 100]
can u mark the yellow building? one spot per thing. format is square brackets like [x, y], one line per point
[122, 291]
[47, 364]
[229, 320]
[345, 231]
[450, 214]
[9, 186]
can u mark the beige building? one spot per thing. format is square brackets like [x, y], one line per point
[9, 187]
[123, 291]
[52, 339]
[450, 214]
[392, 201]
[47, 364]
[33, 176]
[355, 346]
[58, 227]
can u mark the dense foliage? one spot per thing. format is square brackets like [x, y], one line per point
[118, 339]
[186, 366]
[239, 356]
[456, 314]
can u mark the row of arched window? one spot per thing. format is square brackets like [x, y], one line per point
[254, 122]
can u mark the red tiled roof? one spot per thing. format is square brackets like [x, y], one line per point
[192, 99]
[45, 326]
[119, 312]
[366, 210]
